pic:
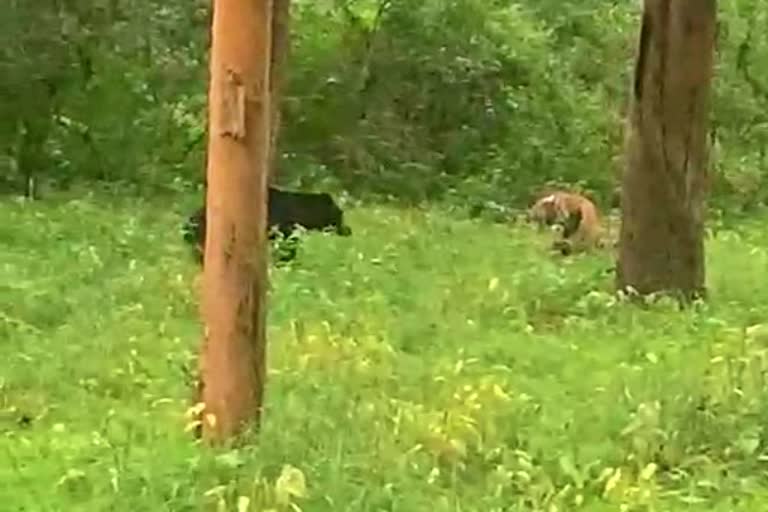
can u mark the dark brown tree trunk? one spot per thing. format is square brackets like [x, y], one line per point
[234, 275]
[281, 39]
[661, 241]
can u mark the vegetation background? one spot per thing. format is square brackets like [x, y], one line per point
[431, 362]
[471, 100]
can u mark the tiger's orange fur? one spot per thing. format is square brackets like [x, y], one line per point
[580, 220]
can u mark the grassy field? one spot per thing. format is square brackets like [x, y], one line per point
[429, 362]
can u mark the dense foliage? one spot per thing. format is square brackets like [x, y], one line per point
[415, 99]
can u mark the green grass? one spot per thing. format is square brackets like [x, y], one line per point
[428, 362]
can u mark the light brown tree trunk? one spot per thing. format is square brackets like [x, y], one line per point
[661, 241]
[281, 39]
[234, 275]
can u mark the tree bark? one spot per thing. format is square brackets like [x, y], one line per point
[234, 275]
[661, 240]
[281, 38]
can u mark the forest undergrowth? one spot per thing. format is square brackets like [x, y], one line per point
[429, 362]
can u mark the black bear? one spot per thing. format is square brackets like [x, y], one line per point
[285, 211]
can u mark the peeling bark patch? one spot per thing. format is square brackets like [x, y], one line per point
[642, 54]
[233, 106]
[229, 248]
[689, 125]
[244, 314]
[663, 49]
[689, 26]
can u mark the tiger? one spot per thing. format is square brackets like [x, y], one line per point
[577, 217]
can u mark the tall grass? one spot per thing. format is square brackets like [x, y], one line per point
[429, 362]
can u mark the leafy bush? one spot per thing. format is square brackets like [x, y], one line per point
[419, 100]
